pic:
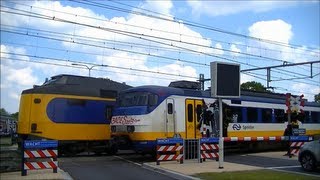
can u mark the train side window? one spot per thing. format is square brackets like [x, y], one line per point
[252, 114]
[190, 112]
[266, 115]
[315, 117]
[279, 116]
[170, 108]
[108, 112]
[236, 114]
[76, 102]
[199, 112]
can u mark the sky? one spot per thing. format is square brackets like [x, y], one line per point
[157, 42]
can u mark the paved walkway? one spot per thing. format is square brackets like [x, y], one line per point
[36, 174]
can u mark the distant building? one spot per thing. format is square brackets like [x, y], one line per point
[8, 125]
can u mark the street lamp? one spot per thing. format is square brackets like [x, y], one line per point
[89, 68]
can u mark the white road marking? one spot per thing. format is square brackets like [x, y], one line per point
[127, 160]
[283, 167]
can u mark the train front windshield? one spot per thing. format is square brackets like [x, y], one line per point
[137, 99]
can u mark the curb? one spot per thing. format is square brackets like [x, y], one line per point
[66, 175]
[169, 173]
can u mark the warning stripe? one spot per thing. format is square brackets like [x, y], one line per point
[296, 144]
[169, 148]
[209, 155]
[40, 165]
[170, 157]
[209, 147]
[40, 153]
[267, 138]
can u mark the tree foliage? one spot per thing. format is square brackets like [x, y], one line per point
[317, 98]
[3, 112]
[254, 86]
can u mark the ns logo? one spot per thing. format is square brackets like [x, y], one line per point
[236, 127]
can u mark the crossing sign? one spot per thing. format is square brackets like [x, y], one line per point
[294, 104]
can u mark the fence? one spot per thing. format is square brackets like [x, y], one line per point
[39, 155]
[169, 150]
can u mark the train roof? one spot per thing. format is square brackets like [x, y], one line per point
[79, 85]
[248, 95]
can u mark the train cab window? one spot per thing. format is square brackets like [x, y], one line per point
[170, 108]
[199, 112]
[152, 99]
[252, 114]
[137, 99]
[190, 112]
[267, 115]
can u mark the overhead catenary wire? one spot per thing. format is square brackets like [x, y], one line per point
[113, 48]
[185, 21]
[244, 63]
[153, 29]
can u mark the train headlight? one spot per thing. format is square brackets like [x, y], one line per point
[113, 129]
[130, 129]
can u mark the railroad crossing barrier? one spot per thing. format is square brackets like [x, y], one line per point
[170, 150]
[296, 142]
[209, 149]
[39, 155]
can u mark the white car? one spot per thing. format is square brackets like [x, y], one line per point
[309, 155]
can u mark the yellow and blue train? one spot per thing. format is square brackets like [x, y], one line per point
[74, 110]
[146, 113]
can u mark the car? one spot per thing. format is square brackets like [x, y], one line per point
[309, 155]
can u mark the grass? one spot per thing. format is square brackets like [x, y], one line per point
[254, 175]
[5, 141]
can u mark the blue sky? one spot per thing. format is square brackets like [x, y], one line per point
[40, 39]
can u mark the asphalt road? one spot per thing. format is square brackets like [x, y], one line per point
[107, 167]
[281, 164]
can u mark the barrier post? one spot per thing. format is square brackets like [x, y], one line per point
[23, 171]
[170, 150]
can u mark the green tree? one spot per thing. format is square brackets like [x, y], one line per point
[15, 115]
[317, 98]
[3, 112]
[254, 86]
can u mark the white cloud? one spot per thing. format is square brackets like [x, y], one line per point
[222, 8]
[246, 78]
[235, 50]
[306, 90]
[162, 7]
[218, 49]
[274, 30]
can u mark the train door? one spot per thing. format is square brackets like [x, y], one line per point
[170, 120]
[193, 112]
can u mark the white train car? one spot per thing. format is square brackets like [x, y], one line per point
[146, 113]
